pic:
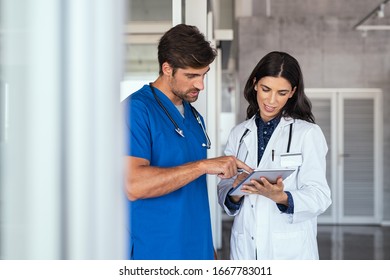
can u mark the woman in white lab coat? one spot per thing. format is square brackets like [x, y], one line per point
[277, 220]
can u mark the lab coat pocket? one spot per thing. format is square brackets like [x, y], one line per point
[237, 246]
[289, 160]
[292, 245]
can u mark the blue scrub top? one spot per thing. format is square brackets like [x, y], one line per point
[176, 225]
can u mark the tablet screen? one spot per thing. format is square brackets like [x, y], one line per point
[270, 174]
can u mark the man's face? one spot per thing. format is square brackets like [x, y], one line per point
[186, 84]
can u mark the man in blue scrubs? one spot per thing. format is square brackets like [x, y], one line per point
[166, 161]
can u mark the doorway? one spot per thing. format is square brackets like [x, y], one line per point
[351, 120]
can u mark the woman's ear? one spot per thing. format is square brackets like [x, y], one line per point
[292, 92]
[255, 84]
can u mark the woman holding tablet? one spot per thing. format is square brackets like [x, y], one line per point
[277, 220]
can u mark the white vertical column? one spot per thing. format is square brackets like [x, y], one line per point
[30, 212]
[43, 186]
[213, 124]
[207, 105]
[80, 127]
[95, 205]
[196, 14]
[176, 12]
[61, 186]
[110, 210]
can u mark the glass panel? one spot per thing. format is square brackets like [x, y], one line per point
[150, 10]
[228, 92]
[359, 157]
[322, 113]
[141, 58]
[146, 22]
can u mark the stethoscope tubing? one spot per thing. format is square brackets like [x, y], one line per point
[246, 133]
[177, 128]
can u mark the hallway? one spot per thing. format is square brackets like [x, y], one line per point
[340, 242]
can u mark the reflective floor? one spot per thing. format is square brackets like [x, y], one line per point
[338, 242]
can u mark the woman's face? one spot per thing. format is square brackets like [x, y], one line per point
[272, 94]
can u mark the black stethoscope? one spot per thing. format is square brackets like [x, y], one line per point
[177, 128]
[246, 133]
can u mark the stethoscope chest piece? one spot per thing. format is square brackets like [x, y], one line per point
[179, 131]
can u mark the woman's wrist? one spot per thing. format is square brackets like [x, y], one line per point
[282, 199]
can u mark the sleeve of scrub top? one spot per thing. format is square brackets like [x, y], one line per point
[312, 195]
[139, 136]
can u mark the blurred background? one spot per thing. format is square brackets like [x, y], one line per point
[66, 64]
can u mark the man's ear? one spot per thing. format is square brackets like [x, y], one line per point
[167, 69]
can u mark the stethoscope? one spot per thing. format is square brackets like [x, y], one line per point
[246, 133]
[177, 128]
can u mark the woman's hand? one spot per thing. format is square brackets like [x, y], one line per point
[263, 187]
[240, 177]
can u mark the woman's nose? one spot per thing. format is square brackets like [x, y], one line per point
[272, 98]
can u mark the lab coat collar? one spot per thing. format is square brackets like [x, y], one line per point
[251, 123]
[284, 121]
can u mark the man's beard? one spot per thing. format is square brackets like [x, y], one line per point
[184, 95]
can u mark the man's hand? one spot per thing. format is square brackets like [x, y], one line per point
[225, 166]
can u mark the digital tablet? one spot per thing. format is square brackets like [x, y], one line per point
[270, 174]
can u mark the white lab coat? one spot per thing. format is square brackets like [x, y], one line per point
[260, 230]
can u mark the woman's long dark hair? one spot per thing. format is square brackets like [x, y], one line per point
[280, 64]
